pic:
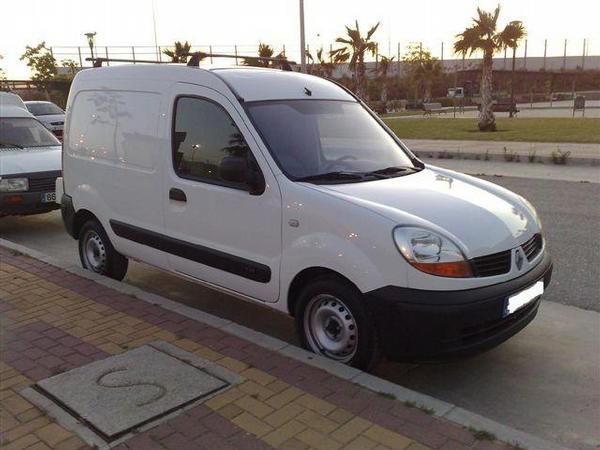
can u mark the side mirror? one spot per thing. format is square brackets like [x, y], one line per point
[236, 169]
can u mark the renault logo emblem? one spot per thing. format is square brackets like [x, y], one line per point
[519, 259]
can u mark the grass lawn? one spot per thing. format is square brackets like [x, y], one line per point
[578, 130]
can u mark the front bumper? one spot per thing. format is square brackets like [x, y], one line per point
[22, 203]
[41, 184]
[434, 325]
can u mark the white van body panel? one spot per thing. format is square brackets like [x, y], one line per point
[347, 228]
[116, 128]
[221, 218]
[336, 235]
[277, 85]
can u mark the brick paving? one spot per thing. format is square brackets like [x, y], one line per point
[52, 321]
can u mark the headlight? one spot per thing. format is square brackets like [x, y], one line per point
[14, 184]
[432, 253]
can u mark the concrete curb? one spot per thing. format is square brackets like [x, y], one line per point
[500, 157]
[440, 408]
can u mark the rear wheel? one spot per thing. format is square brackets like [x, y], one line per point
[331, 320]
[97, 253]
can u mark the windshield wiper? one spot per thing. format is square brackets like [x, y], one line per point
[333, 176]
[392, 170]
[9, 145]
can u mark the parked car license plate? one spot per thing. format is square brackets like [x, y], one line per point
[49, 197]
[518, 301]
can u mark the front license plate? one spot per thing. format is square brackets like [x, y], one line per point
[518, 301]
[49, 197]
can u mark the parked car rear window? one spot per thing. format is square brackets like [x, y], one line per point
[43, 109]
[204, 134]
[312, 137]
[25, 132]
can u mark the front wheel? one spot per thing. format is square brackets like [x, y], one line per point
[97, 253]
[332, 321]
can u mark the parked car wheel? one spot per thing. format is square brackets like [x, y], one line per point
[97, 253]
[331, 321]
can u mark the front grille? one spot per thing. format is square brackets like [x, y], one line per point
[533, 246]
[42, 184]
[490, 265]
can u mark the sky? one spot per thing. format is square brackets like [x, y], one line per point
[224, 23]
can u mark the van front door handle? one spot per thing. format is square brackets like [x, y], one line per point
[177, 194]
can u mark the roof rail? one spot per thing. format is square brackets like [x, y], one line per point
[195, 58]
[97, 62]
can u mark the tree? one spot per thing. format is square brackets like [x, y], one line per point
[381, 73]
[353, 51]
[319, 67]
[483, 36]
[72, 66]
[264, 51]
[41, 61]
[423, 69]
[179, 52]
[2, 74]
[511, 35]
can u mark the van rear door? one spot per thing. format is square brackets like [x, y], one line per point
[218, 232]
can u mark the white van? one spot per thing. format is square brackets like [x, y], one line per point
[286, 190]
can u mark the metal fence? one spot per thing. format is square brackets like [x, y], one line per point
[555, 54]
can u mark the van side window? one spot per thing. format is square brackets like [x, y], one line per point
[204, 133]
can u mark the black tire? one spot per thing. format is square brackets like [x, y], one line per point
[330, 312]
[97, 253]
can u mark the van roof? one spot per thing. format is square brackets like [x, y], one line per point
[248, 83]
[8, 98]
[14, 111]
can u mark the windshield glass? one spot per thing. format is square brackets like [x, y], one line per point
[43, 109]
[24, 132]
[313, 137]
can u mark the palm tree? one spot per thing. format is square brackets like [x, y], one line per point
[319, 67]
[423, 70]
[381, 72]
[264, 51]
[179, 52]
[483, 36]
[354, 50]
[511, 35]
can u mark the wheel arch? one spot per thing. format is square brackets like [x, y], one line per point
[80, 218]
[307, 275]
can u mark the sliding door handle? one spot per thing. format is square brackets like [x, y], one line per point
[177, 195]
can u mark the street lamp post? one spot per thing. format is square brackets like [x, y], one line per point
[302, 43]
[90, 38]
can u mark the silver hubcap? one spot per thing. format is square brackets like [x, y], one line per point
[94, 252]
[330, 328]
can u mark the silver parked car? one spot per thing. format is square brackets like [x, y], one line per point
[50, 114]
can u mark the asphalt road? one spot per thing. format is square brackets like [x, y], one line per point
[570, 214]
[544, 380]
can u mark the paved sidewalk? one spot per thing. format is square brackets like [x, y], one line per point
[579, 154]
[53, 321]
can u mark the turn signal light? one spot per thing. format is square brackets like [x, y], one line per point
[457, 269]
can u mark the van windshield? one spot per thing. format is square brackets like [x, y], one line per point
[321, 140]
[24, 132]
